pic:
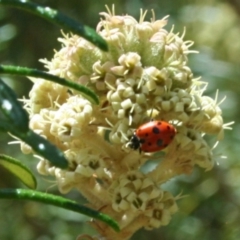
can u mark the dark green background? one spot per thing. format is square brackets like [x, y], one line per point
[211, 209]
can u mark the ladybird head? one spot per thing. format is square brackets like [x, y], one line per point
[135, 143]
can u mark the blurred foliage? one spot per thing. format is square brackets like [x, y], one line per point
[211, 208]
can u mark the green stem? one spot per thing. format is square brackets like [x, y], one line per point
[23, 194]
[22, 71]
[60, 19]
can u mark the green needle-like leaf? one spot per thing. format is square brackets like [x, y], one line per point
[44, 148]
[17, 124]
[22, 71]
[59, 19]
[12, 109]
[23, 194]
[19, 170]
[40, 145]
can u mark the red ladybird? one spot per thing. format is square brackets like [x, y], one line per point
[152, 136]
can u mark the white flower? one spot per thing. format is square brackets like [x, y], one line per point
[144, 75]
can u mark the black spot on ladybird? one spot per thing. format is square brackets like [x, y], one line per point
[156, 130]
[159, 142]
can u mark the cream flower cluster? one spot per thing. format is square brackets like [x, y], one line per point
[144, 75]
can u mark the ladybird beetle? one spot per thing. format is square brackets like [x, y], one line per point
[152, 136]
